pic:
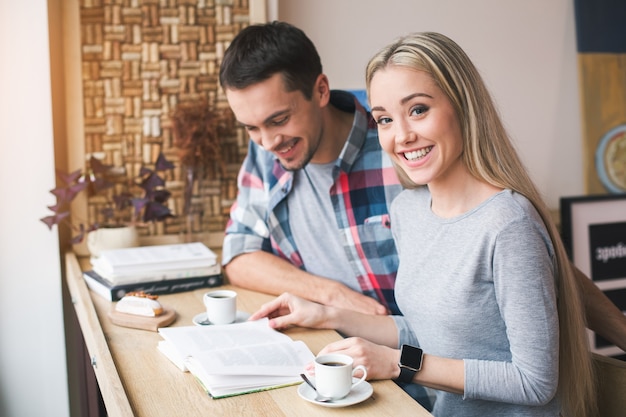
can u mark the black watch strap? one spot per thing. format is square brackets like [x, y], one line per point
[406, 375]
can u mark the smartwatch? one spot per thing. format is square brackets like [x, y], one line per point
[410, 362]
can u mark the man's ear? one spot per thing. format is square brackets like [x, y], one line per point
[321, 91]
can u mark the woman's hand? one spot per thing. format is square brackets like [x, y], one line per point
[381, 361]
[289, 310]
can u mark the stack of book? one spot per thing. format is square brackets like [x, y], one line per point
[160, 269]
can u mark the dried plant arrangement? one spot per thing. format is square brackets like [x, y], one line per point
[197, 129]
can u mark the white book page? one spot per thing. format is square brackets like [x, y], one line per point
[278, 359]
[228, 384]
[192, 340]
[172, 354]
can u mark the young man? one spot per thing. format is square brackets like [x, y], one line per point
[311, 217]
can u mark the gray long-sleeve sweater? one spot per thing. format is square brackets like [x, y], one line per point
[481, 287]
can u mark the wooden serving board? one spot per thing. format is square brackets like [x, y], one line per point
[143, 322]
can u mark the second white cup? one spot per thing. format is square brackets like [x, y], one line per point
[221, 306]
[333, 375]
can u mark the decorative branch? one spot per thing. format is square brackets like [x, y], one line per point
[197, 129]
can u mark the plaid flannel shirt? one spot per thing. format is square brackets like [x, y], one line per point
[365, 183]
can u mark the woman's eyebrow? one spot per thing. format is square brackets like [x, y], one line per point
[404, 100]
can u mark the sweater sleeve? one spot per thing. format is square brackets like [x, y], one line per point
[524, 285]
[405, 334]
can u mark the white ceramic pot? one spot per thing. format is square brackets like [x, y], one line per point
[111, 238]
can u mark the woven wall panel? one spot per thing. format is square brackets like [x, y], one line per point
[140, 58]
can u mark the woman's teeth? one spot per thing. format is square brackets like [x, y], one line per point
[419, 154]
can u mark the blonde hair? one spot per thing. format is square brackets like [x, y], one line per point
[490, 156]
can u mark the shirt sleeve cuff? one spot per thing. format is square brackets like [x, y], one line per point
[236, 244]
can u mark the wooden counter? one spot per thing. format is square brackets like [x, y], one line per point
[137, 380]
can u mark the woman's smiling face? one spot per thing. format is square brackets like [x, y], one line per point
[417, 124]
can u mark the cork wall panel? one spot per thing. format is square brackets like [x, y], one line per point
[140, 59]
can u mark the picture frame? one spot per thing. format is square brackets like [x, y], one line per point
[593, 229]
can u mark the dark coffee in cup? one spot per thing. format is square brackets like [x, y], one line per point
[333, 364]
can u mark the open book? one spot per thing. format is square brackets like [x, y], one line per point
[237, 358]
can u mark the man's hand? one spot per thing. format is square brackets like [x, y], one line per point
[341, 296]
[267, 273]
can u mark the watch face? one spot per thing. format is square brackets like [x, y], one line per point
[411, 356]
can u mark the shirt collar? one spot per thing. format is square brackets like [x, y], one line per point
[347, 102]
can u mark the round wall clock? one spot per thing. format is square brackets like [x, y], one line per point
[611, 160]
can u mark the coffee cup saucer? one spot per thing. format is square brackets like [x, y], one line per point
[357, 394]
[201, 319]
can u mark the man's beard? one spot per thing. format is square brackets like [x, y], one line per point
[298, 165]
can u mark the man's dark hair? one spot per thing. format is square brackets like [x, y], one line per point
[260, 51]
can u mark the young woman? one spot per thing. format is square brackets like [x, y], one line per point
[492, 317]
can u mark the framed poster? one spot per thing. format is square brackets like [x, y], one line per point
[593, 229]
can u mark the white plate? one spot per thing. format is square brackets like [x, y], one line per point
[199, 319]
[358, 394]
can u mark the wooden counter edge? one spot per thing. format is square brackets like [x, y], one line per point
[113, 393]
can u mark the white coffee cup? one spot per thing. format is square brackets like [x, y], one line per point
[221, 306]
[333, 375]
